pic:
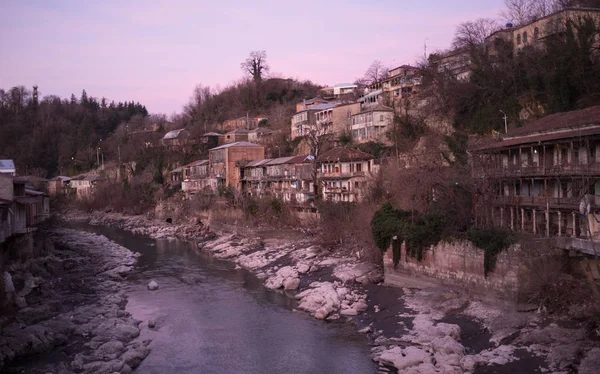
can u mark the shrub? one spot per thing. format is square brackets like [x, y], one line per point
[493, 241]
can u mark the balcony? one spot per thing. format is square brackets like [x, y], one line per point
[512, 171]
[342, 175]
[543, 202]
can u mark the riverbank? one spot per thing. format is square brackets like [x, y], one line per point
[70, 310]
[413, 330]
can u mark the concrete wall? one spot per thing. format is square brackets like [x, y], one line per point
[6, 188]
[458, 263]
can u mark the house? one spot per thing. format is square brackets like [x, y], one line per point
[21, 207]
[544, 178]
[176, 176]
[345, 173]
[261, 135]
[401, 82]
[304, 119]
[372, 124]
[196, 176]
[84, 185]
[7, 167]
[237, 135]
[371, 98]
[212, 139]
[59, 185]
[285, 178]
[176, 138]
[336, 119]
[247, 123]
[224, 162]
[342, 89]
[455, 63]
[537, 32]
[304, 105]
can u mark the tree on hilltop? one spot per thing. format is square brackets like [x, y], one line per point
[256, 65]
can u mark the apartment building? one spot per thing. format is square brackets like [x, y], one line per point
[372, 124]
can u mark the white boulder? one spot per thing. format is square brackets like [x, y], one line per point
[153, 286]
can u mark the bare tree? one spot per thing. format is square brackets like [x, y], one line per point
[376, 72]
[315, 136]
[256, 65]
[472, 33]
[520, 12]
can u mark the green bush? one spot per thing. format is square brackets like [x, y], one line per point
[493, 241]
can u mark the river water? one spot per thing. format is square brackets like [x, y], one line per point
[213, 318]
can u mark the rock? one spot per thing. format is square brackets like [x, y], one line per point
[134, 356]
[469, 363]
[449, 329]
[151, 323]
[349, 312]
[365, 330]
[590, 362]
[125, 333]
[360, 306]
[100, 367]
[303, 268]
[291, 283]
[153, 286]
[320, 300]
[126, 369]
[109, 350]
[404, 358]
[447, 345]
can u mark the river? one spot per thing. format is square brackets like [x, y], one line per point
[213, 318]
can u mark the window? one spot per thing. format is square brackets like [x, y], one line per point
[381, 118]
[536, 33]
[359, 167]
[518, 39]
[525, 37]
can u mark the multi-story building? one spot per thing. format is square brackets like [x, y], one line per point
[456, 63]
[305, 119]
[345, 174]
[544, 178]
[371, 98]
[337, 119]
[305, 104]
[176, 138]
[400, 83]
[225, 162]
[536, 32]
[261, 135]
[372, 124]
[85, 185]
[196, 176]
[286, 178]
[21, 207]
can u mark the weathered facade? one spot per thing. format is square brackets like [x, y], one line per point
[84, 185]
[544, 178]
[237, 135]
[285, 178]
[224, 162]
[337, 119]
[176, 138]
[345, 174]
[21, 207]
[372, 124]
[196, 177]
[7, 167]
[401, 83]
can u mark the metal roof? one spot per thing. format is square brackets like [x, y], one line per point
[7, 164]
[196, 163]
[256, 163]
[281, 160]
[212, 134]
[236, 144]
[173, 134]
[239, 131]
[340, 85]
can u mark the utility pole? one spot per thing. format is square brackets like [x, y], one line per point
[505, 123]
[425, 49]
[102, 161]
[98, 156]
[119, 166]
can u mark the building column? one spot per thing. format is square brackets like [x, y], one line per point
[574, 225]
[501, 216]
[559, 224]
[512, 219]
[547, 222]
[523, 219]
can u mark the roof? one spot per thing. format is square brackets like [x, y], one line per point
[196, 163]
[173, 134]
[239, 131]
[405, 67]
[236, 144]
[256, 163]
[27, 200]
[212, 134]
[92, 178]
[280, 160]
[344, 154]
[555, 126]
[376, 108]
[322, 106]
[7, 164]
[60, 178]
[262, 130]
[340, 85]
[177, 170]
[313, 100]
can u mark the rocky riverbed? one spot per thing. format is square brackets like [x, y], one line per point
[414, 330]
[69, 310]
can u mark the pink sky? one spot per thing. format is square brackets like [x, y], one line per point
[156, 52]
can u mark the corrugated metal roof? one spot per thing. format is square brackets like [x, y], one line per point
[258, 162]
[280, 160]
[239, 131]
[172, 134]
[340, 85]
[7, 164]
[196, 163]
[236, 144]
[33, 192]
[528, 139]
[177, 170]
[212, 134]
